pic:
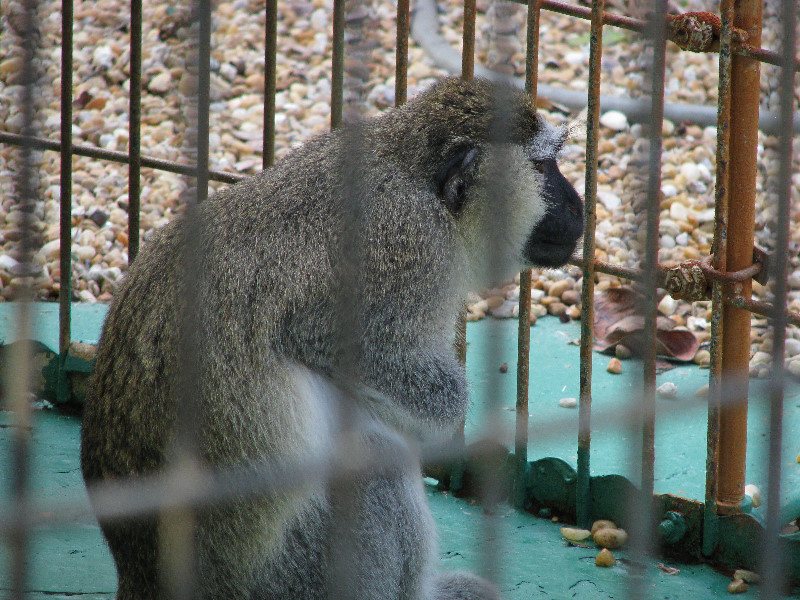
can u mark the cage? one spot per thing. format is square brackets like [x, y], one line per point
[184, 88]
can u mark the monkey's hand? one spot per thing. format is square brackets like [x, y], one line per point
[422, 395]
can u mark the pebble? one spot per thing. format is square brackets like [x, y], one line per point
[755, 493]
[737, 586]
[568, 402]
[622, 352]
[614, 366]
[667, 390]
[604, 558]
[610, 200]
[702, 357]
[614, 120]
[558, 288]
[792, 347]
[161, 83]
[794, 368]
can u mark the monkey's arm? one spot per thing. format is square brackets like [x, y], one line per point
[421, 393]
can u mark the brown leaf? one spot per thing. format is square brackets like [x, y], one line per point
[617, 321]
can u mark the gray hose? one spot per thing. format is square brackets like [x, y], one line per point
[425, 31]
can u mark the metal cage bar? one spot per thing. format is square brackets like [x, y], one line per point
[584, 499]
[135, 131]
[735, 339]
[524, 329]
[738, 120]
[270, 80]
[719, 263]
[401, 53]
[773, 560]
[65, 147]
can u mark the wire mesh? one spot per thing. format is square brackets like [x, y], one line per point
[178, 498]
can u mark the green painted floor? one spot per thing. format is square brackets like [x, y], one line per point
[534, 561]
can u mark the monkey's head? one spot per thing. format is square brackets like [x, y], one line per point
[490, 159]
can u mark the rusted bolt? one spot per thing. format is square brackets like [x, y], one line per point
[672, 528]
[687, 281]
[699, 31]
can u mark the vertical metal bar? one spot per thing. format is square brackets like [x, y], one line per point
[468, 45]
[467, 73]
[65, 258]
[20, 362]
[177, 548]
[401, 56]
[719, 262]
[524, 335]
[135, 131]
[584, 500]
[337, 67]
[532, 48]
[649, 280]
[745, 92]
[203, 96]
[641, 515]
[773, 559]
[270, 81]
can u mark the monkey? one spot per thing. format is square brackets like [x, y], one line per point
[326, 294]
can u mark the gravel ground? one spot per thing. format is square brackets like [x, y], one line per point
[100, 198]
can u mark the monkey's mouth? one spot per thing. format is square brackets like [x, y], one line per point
[549, 253]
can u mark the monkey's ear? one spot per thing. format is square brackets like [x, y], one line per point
[454, 178]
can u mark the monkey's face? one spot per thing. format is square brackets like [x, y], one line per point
[553, 239]
[512, 205]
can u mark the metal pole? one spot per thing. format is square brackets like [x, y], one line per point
[270, 81]
[468, 44]
[745, 94]
[773, 560]
[401, 57]
[524, 335]
[337, 66]
[135, 131]
[584, 500]
[719, 262]
[65, 256]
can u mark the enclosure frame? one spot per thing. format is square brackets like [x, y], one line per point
[727, 275]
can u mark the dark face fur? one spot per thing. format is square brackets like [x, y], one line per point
[553, 240]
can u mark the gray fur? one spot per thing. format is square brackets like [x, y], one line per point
[287, 265]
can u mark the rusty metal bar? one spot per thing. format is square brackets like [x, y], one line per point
[749, 49]
[763, 309]
[135, 131]
[719, 262]
[65, 147]
[39, 143]
[401, 55]
[270, 81]
[735, 342]
[524, 334]
[468, 44]
[337, 64]
[773, 560]
[658, 36]
[584, 499]
[708, 271]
